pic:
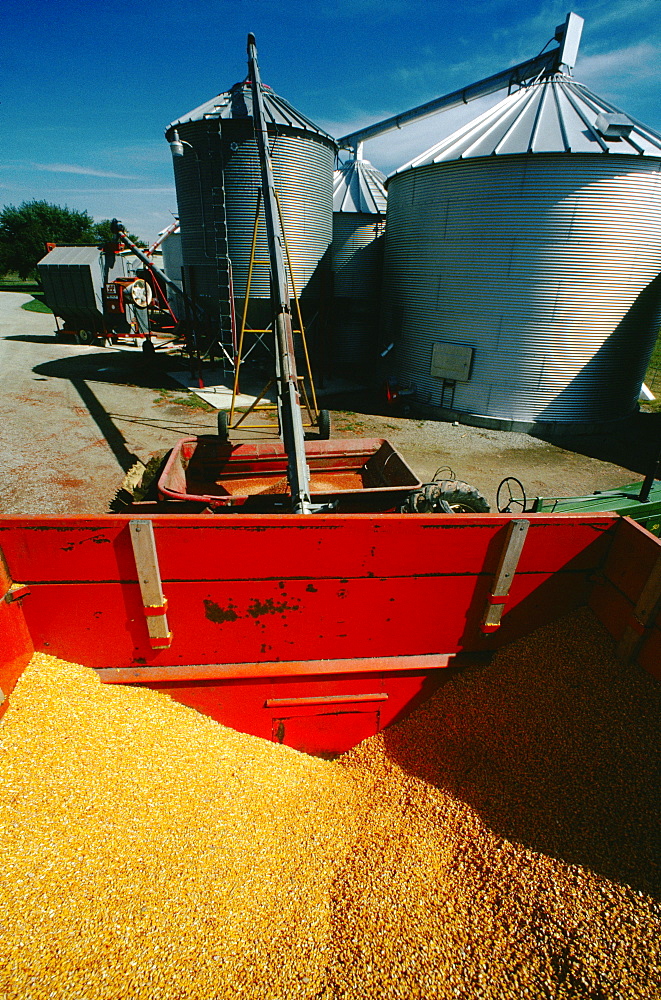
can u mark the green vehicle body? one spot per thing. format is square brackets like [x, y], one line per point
[624, 500]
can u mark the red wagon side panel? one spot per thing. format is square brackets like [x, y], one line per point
[312, 630]
[16, 647]
[260, 589]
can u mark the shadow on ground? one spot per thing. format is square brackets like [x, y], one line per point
[31, 338]
[115, 368]
[134, 371]
[633, 443]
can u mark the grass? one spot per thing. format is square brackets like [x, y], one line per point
[193, 402]
[653, 378]
[12, 283]
[348, 421]
[36, 305]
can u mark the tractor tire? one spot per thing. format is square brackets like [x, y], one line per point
[223, 425]
[425, 501]
[324, 425]
[462, 498]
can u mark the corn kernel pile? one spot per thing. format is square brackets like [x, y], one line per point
[511, 842]
[500, 842]
[149, 852]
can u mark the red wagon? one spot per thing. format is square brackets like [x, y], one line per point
[312, 631]
[363, 474]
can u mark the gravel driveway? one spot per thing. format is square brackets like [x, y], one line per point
[74, 419]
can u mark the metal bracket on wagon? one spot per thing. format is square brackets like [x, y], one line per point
[16, 592]
[509, 560]
[154, 601]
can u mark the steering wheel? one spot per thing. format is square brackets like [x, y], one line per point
[510, 496]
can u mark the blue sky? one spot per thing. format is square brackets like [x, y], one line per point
[88, 88]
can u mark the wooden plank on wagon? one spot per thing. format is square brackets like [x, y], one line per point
[504, 577]
[149, 577]
[644, 613]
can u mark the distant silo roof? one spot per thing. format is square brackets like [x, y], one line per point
[557, 115]
[237, 103]
[359, 187]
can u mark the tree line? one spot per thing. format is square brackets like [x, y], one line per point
[25, 230]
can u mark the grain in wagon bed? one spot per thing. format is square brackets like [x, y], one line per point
[500, 842]
[151, 852]
[515, 850]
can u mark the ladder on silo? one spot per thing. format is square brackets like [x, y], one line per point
[226, 338]
[315, 416]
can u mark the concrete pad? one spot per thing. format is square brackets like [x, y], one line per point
[217, 389]
[217, 392]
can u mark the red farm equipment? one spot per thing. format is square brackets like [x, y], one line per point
[313, 631]
[317, 613]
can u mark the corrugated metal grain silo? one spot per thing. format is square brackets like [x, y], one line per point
[172, 256]
[522, 261]
[170, 248]
[359, 210]
[217, 178]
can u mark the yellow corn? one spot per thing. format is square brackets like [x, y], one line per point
[498, 843]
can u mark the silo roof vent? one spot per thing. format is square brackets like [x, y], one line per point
[557, 115]
[614, 126]
[359, 187]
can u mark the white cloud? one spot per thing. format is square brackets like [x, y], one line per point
[115, 190]
[72, 168]
[143, 210]
[621, 10]
[641, 61]
[628, 77]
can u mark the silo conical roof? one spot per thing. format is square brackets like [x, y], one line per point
[237, 103]
[360, 188]
[557, 115]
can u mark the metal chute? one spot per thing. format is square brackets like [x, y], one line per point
[289, 410]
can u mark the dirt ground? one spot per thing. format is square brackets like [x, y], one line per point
[74, 419]
[484, 457]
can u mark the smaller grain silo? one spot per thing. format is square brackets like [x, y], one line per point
[522, 263]
[172, 255]
[170, 248]
[359, 208]
[217, 177]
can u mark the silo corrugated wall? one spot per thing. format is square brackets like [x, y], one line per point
[546, 266]
[356, 261]
[303, 175]
[217, 181]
